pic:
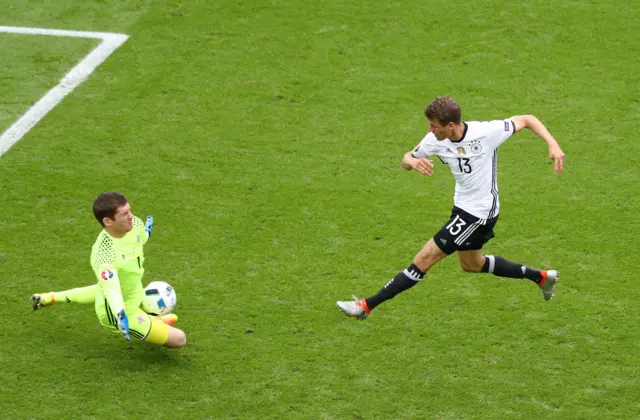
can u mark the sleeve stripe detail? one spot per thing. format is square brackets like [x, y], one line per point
[136, 334]
[110, 317]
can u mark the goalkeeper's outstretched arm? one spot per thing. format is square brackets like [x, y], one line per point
[110, 283]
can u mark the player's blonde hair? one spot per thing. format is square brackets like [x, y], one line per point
[444, 109]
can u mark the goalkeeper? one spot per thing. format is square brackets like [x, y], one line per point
[117, 260]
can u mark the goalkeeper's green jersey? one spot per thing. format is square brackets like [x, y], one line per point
[118, 264]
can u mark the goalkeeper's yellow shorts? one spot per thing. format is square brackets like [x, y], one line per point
[142, 326]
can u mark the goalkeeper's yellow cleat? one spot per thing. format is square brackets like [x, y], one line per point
[168, 319]
[40, 300]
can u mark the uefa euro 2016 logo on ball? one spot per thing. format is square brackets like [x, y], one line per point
[159, 298]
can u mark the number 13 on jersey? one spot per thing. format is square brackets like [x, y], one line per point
[463, 164]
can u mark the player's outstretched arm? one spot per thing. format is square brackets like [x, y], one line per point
[123, 324]
[111, 289]
[148, 226]
[422, 165]
[110, 284]
[532, 123]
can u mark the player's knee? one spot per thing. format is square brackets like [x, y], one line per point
[177, 338]
[182, 340]
[471, 266]
[428, 256]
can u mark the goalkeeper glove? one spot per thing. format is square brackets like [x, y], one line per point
[123, 324]
[149, 225]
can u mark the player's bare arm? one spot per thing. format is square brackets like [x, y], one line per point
[532, 123]
[422, 165]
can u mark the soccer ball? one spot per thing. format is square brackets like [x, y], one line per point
[159, 298]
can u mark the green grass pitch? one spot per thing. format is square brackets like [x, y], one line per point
[266, 137]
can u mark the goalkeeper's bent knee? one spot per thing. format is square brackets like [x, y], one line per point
[177, 338]
[164, 335]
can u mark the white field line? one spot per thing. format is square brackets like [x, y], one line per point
[78, 74]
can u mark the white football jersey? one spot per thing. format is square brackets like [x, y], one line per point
[473, 163]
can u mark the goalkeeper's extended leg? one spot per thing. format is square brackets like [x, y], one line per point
[77, 295]
[41, 300]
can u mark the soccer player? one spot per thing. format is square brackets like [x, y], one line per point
[470, 151]
[117, 260]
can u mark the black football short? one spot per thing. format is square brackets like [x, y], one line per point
[464, 232]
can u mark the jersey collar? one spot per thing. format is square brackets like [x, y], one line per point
[464, 133]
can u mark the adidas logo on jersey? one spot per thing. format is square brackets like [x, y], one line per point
[444, 241]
